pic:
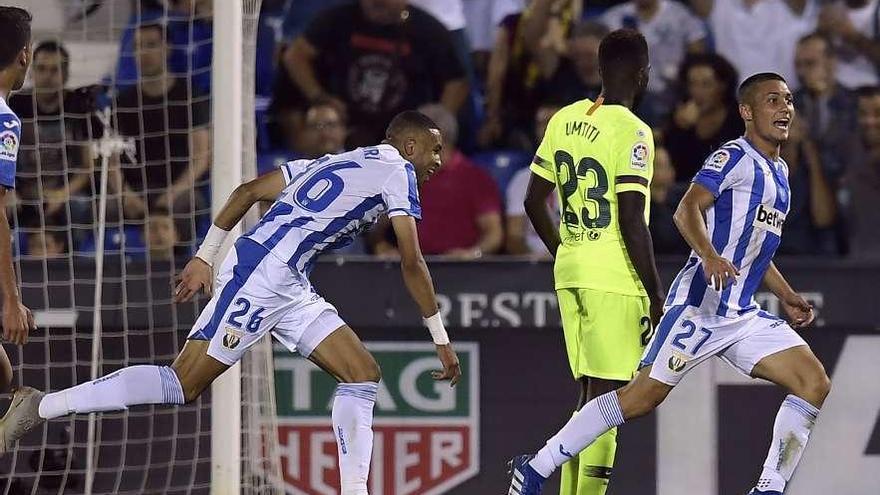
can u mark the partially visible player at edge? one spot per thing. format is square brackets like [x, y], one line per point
[744, 193]
[599, 156]
[15, 58]
[262, 287]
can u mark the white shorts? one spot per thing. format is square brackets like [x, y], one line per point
[256, 293]
[687, 336]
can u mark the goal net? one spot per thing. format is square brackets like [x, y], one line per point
[113, 195]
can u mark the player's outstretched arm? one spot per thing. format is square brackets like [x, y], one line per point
[539, 214]
[418, 281]
[689, 219]
[197, 274]
[640, 247]
[17, 319]
[799, 311]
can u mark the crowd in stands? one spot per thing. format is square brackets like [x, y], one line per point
[490, 73]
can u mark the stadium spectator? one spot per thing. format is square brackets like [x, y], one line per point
[809, 224]
[326, 128]
[824, 105]
[863, 179]
[189, 35]
[165, 125]
[46, 244]
[578, 74]
[706, 117]
[528, 50]
[55, 163]
[520, 235]
[758, 35]
[161, 236]
[671, 31]
[854, 26]
[376, 57]
[664, 199]
[482, 20]
[461, 207]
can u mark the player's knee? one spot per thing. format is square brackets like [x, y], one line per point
[365, 370]
[814, 386]
[818, 388]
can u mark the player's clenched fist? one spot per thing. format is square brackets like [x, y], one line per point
[196, 275]
[720, 272]
[17, 322]
[451, 367]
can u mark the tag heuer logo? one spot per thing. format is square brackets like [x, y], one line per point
[232, 338]
[425, 432]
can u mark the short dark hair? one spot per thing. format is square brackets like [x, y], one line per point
[53, 46]
[747, 87]
[622, 53]
[409, 120]
[15, 24]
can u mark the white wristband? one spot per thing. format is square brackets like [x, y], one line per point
[438, 331]
[211, 245]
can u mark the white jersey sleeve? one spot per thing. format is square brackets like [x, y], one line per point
[292, 169]
[401, 193]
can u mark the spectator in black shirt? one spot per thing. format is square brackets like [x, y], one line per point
[165, 125]
[55, 164]
[376, 57]
[577, 76]
[708, 115]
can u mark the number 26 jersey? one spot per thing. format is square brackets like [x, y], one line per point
[592, 152]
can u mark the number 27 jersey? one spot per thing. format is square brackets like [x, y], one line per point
[329, 201]
[592, 152]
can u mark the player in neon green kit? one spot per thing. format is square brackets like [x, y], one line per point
[599, 157]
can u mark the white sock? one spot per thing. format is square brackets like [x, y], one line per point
[127, 387]
[595, 418]
[792, 428]
[353, 425]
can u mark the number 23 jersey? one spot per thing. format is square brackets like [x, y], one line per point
[330, 200]
[592, 152]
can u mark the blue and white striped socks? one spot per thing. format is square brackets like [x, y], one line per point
[791, 431]
[135, 385]
[353, 426]
[595, 418]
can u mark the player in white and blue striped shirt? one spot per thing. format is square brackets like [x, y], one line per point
[263, 287]
[15, 58]
[743, 193]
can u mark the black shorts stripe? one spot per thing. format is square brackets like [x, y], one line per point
[631, 179]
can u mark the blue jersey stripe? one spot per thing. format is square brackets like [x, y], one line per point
[280, 208]
[412, 183]
[745, 238]
[697, 291]
[249, 255]
[333, 228]
[768, 248]
[674, 290]
[663, 329]
[721, 236]
[282, 231]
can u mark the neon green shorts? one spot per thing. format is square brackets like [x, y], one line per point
[605, 333]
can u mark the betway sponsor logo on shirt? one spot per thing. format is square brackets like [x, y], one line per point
[770, 219]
